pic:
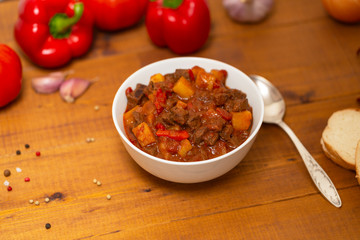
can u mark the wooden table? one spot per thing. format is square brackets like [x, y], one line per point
[310, 57]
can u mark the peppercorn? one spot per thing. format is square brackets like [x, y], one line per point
[27, 146]
[7, 172]
[38, 153]
[37, 203]
[9, 188]
[27, 179]
[31, 201]
[108, 197]
[18, 152]
[48, 226]
[47, 200]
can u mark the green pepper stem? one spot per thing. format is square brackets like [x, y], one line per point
[60, 24]
[171, 3]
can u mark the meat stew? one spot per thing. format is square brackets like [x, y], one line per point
[188, 115]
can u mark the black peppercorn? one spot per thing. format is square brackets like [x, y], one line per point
[18, 152]
[27, 145]
[48, 226]
[7, 172]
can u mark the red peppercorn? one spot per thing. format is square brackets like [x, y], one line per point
[38, 153]
[9, 188]
[27, 179]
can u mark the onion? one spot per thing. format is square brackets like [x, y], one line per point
[248, 11]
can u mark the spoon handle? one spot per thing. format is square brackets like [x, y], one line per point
[318, 175]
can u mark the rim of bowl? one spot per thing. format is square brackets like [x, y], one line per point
[124, 137]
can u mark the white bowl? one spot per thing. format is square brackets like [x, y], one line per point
[189, 172]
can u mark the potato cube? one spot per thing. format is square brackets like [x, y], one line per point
[144, 134]
[241, 120]
[157, 78]
[183, 88]
[185, 147]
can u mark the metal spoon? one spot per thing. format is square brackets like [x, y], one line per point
[274, 113]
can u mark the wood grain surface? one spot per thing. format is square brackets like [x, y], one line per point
[309, 56]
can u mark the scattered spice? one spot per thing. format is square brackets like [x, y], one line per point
[38, 154]
[98, 183]
[108, 197]
[18, 152]
[27, 179]
[47, 200]
[48, 226]
[31, 201]
[7, 172]
[37, 203]
[9, 188]
[18, 169]
[27, 146]
[6, 183]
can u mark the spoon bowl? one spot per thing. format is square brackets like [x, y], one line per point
[274, 103]
[274, 111]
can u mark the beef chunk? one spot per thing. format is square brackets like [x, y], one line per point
[166, 118]
[179, 115]
[149, 89]
[226, 132]
[213, 120]
[236, 105]
[135, 96]
[198, 134]
[220, 98]
[210, 138]
[181, 73]
[194, 120]
[138, 117]
[170, 77]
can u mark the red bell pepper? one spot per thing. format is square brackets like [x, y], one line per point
[52, 32]
[111, 15]
[177, 135]
[182, 25]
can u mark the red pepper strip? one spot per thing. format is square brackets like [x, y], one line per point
[191, 75]
[160, 100]
[52, 32]
[224, 114]
[182, 25]
[177, 135]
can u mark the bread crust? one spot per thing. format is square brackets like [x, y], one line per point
[357, 162]
[334, 156]
[342, 127]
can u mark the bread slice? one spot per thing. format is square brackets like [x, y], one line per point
[357, 162]
[341, 136]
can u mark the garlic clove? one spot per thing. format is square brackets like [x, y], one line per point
[49, 83]
[73, 88]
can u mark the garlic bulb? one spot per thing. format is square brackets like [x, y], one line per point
[49, 83]
[73, 88]
[248, 11]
